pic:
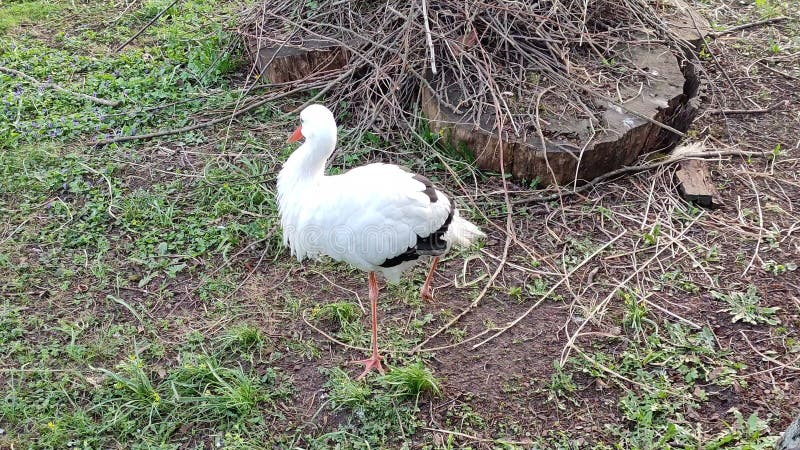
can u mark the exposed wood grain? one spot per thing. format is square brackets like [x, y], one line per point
[293, 62]
[627, 132]
[695, 184]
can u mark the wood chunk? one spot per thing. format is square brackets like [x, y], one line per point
[695, 184]
[295, 62]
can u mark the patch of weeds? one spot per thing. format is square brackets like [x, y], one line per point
[677, 280]
[457, 334]
[777, 268]
[745, 307]
[303, 348]
[539, 287]
[212, 392]
[577, 250]
[378, 417]
[412, 381]
[767, 8]
[663, 375]
[14, 14]
[243, 338]
[561, 387]
[343, 314]
[131, 401]
[750, 433]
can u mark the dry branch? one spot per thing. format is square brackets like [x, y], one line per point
[491, 59]
[639, 168]
[748, 25]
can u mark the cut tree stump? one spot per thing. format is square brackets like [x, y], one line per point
[695, 185]
[668, 97]
[665, 98]
[297, 61]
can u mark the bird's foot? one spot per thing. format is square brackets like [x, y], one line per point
[373, 362]
[426, 293]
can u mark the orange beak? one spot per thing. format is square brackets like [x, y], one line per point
[296, 136]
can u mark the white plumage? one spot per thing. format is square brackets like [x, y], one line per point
[378, 217]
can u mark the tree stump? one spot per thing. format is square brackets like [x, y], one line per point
[292, 62]
[625, 136]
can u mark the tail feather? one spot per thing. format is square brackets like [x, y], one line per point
[462, 232]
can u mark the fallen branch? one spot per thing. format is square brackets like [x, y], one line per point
[641, 168]
[152, 21]
[747, 25]
[58, 88]
[748, 111]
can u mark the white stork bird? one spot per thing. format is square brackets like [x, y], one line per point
[378, 217]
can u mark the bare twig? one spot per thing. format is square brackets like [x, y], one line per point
[748, 25]
[428, 37]
[147, 25]
[640, 168]
[748, 111]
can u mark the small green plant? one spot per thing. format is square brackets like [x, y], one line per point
[776, 151]
[561, 387]
[635, 311]
[744, 306]
[777, 268]
[774, 48]
[651, 237]
[341, 313]
[242, 337]
[515, 293]
[412, 381]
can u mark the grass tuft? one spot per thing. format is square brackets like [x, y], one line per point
[412, 381]
[243, 338]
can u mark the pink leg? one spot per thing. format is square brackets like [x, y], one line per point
[426, 287]
[374, 361]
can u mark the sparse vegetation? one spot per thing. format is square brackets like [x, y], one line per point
[145, 300]
[745, 306]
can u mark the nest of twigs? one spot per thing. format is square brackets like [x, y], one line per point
[494, 62]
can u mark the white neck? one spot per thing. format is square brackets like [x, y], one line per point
[304, 169]
[307, 163]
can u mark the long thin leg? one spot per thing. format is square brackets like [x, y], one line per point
[425, 292]
[374, 361]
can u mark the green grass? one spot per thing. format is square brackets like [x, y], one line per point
[27, 12]
[146, 301]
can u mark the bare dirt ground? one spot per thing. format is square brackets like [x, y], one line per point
[161, 312]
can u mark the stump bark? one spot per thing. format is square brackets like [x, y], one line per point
[667, 97]
[297, 61]
[626, 135]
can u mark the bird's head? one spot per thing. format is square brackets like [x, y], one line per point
[316, 123]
